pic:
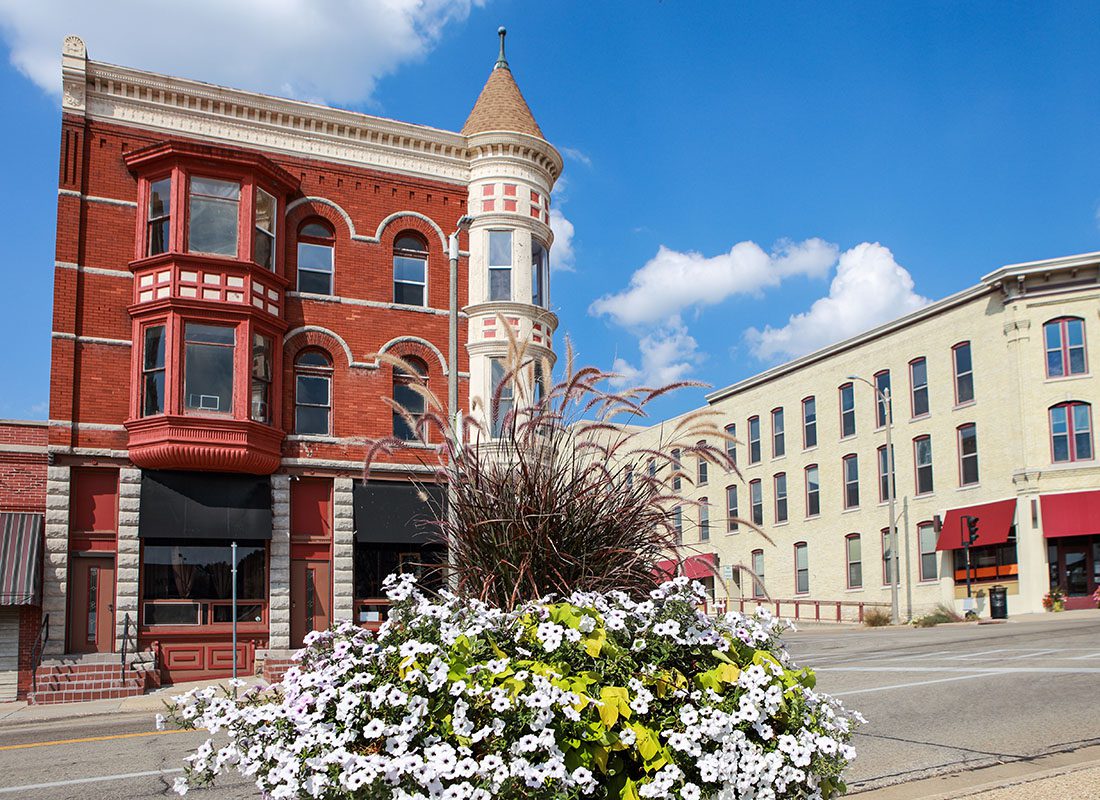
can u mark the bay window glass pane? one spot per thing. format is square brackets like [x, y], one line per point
[503, 401]
[500, 284]
[261, 378]
[159, 217]
[212, 227]
[539, 273]
[154, 347]
[500, 248]
[153, 394]
[263, 245]
[208, 367]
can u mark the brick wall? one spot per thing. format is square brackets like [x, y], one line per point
[30, 621]
[22, 466]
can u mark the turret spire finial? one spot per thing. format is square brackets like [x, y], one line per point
[501, 60]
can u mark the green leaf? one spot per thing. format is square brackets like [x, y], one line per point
[609, 710]
[594, 641]
[647, 743]
[630, 790]
[599, 756]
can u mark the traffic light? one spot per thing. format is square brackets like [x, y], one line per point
[971, 529]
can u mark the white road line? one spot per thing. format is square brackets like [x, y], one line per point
[1082, 658]
[910, 685]
[982, 653]
[1033, 655]
[73, 782]
[1006, 670]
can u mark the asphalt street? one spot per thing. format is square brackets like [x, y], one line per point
[957, 697]
[938, 700]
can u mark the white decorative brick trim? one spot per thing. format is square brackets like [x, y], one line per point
[92, 339]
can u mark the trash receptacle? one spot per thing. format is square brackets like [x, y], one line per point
[998, 602]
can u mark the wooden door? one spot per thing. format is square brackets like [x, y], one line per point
[310, 598]
[92, 605]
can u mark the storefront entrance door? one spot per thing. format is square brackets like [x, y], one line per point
[92, 605]
[310, 598]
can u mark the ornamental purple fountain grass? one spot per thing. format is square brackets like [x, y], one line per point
[596, 695]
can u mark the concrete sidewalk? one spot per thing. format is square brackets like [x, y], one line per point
[152, 703]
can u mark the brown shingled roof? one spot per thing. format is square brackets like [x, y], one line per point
[501, 107]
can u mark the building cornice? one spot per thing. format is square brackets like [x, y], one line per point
[1044, 267]
[930, 310]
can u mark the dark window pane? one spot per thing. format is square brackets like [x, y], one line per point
[210, 334]
[1055, 366]
[407, 241]
[408, 294]
[311, 419]
[158, 237]
[313, 390]
[154, 394]
[208, 374]
[315, 229]
[213, 226]
[314, 282]
[171, 613]
[263, 250]
[154, 347]
[313, 358]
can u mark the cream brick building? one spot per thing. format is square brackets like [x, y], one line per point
[988, 380]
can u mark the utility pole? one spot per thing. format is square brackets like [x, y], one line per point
[452, 357]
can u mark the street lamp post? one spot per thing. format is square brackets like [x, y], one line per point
[452, 353]
[884, 397]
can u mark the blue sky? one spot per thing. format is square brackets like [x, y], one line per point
[728, 166]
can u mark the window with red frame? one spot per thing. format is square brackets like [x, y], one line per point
[209, 352]
[213, 217]
[847, 410]
[926, 544]
[758, 573]
[884, 401]
[1064, 341]
[854, 556]
[409, 399]
[261, 378]
[813, 491]
[704, 520]
[1071, 432]
[809, 423]
[918, 386]
[152, 370]
[964, 373]
[756, 501]
[754, 440]
[887, 559]
[731, 508]
[922, 464]
[779, 436]
[851, 480]
[316, 265]
[780, 483]
[158, 226]
[884, 470]
[801, 568]
[731, 443]
[313, 393]
[968, 454]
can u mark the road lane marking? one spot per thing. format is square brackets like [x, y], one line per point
[1033, 655]
[75, 781]
[982, 653]
[1005, 670]
[93, 739]
[1081, 658]
[911, 685]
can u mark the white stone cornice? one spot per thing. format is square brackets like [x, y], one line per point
[91, 339]
[179, 106]
[91, 198]
[536, 313]
[107, 273]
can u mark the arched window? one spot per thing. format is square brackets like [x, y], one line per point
[410, 270]
[1071, 432]
[315, 257]
[1064, 342]
[409, 399]
[313, 393]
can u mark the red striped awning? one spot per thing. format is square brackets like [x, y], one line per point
[994, 524]
[20, 554]
[703, 565]
[1070, 514]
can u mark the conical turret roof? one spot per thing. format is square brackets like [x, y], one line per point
[500, 106]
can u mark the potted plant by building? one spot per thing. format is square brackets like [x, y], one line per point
[554, 667]
[1055, 599]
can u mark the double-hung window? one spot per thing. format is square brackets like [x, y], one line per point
[213, 217]
[754, 440]
[704, 520]
[261, 378]
[779, 440]
[678, 524]
[780, 483]
[918, 382]
[410, 270]
[884, 468]
[801, 568]
[922, 463]
[208, 367]
[676, 469]
[152, 371]
[854, 556]
[1064, 341]
[731, 443]
[964, 373]
[312, 393]
[813, 491]
[758, 573]
[315, 258]
[159, 218]
[968, 454]
[409, 399]
[887, 559]
[502, 394]
[756, 501]
[1071, 432]
[926, 543]
[851, 481]
[701, 468]
[732, 514]
[883, 398]
[263, 236]
[847, 410]
[500, 265]
[809, 423]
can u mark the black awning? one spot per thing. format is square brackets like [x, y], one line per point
[396, 512]
[204, 505]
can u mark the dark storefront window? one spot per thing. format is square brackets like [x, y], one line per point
[993, 563]
[373, 562]
[191, 582]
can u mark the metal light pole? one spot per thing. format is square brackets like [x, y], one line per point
[884, 396]
[233, 572]
[452, 353]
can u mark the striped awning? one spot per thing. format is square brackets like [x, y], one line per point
[20, 554]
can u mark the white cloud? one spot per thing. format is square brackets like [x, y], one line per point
[668, 354]
[673, 281]
[870, 288]
[308, 49]
[573, 154]
[561, 255]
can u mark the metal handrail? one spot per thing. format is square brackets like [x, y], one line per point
[125, 642]
[39, 649]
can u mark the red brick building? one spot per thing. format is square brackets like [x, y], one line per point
[228, 266]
